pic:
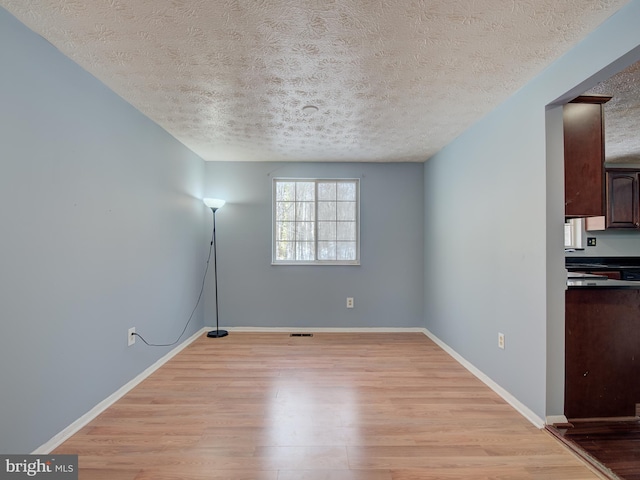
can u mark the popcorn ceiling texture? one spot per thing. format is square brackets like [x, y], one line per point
[622, 115]
[394, 80]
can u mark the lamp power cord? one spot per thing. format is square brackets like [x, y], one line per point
[204, 277]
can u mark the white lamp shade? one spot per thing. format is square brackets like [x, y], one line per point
[213, 203]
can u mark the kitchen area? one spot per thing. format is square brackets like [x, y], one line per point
[602, 340]
[602, 261]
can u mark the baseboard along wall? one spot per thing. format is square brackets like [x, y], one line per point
[62, 436]
[59, 438]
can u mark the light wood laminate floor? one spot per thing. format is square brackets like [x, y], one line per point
[335, 406]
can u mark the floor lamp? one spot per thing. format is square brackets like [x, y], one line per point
[214, 204]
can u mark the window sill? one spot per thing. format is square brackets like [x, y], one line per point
[355, 263]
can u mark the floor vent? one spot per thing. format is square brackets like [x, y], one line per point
[301, 335]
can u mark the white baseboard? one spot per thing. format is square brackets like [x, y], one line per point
[65, 434]
[506, 396]
[525, 411]
[327, 329]
[553, 419]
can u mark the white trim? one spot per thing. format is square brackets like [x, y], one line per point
[327, 329]
[65, 434]
[525, 411]
[289, 263]
[553, 419]
[521, 408]
[315, 181]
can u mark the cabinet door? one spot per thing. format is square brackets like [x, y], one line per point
[602, 347]
[622, 199]
[583, 160]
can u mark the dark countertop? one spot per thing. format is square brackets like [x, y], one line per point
[628, 268]
[602, 263]
[601, 283]
[583, 276]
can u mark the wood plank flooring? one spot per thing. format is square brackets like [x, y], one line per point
[335, 406]
[614, 444]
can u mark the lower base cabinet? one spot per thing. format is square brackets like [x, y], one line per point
[602, 353]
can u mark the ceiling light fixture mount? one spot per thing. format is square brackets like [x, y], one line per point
[309, 109]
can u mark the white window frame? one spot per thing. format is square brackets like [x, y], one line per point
[574, 234]
[316, 181]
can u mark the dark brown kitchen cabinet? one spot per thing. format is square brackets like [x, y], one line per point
[602, 348]
[623, 198]
[583, 121]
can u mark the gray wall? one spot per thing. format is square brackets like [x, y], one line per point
[492, 242]
[102, 230]
[388, 285]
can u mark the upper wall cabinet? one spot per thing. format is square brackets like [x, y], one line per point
[583, 120]
[623, 198]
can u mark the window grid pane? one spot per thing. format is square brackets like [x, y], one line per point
[346, 250]
[326, 210]
[327, 231]
[346, 211]
[327, 250]
[346, 191]
[285, 251]
[286, 231]
[316, 221]
[305, 251]
[327, 190]
[305, 191]
[285, 211]
[346, 231]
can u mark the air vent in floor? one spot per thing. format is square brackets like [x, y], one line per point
[301, 335]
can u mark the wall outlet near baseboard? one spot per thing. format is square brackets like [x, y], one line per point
[131, 338]
[501, 340]
[349, 302]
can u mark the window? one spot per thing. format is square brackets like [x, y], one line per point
[316, 221]
[574, 234]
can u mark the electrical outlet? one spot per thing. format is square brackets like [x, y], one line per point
[591, 241]
[349, 302]
[131, 338]
[501, 340]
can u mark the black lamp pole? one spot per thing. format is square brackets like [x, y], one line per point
[217, 333]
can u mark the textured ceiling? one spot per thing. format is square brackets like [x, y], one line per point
[622, 115]
[393, 80]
